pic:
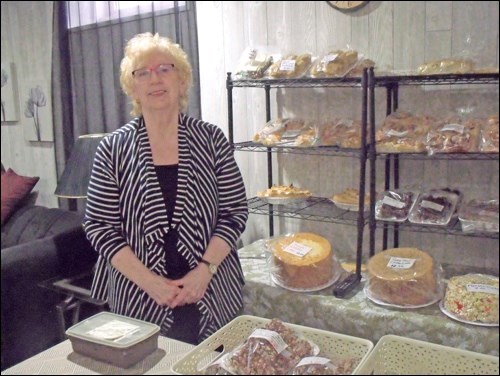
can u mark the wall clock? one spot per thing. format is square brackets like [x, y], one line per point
[347, 6]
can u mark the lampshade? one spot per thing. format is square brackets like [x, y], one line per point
[76, 175]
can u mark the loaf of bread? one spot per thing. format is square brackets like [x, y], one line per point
[290, 66]
[335, 63]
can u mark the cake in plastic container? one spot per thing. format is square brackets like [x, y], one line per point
[303, 262]
[404, 277]
[119, 340]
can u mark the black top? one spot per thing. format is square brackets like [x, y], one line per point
[177, 266]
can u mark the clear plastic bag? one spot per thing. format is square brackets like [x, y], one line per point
[253, 63]
[290, 66]
[479, 216]
[316, 365]
[344, 133]
[395, 205]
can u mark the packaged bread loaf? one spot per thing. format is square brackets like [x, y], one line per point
[336, 63]
[290, 66]
[447, 66]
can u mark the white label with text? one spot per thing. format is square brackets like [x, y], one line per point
[400, 263]
[272, 337]
[297, 249]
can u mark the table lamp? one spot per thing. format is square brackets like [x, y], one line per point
[76, 175]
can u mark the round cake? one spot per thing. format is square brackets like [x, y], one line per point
[314, 268]
[402, 276]
[473, 297]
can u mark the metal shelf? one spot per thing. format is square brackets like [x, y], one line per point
[314, 208]
[441, 156]
[453, 229]
[317, 150]
[298, 82]
[438, 79]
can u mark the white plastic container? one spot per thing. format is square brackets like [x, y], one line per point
[119, 340]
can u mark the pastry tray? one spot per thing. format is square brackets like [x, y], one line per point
[283, 200]
[395, 355]
[237, 331]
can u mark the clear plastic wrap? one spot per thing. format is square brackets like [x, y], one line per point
[273, 350]
[404, 277]
[457, 65]
[403, 132]
[435, 207]
[489, 136]
[317, 365]
[303, 262]
[335, 63]
[473, 298]
[344, 133]
[455, 134]
[395, 205]
[253, 63]
[288, 132]
[290, 66]
[479, 216]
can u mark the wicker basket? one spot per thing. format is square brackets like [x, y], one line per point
[394, 355]
[237, 331]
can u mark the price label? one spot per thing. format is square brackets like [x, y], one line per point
[431, 205]
[479, 287]
[272, 337]
[400, 263]
[112, 330]
[329, 58]
[392, 202]
[287, 65]
[459, 128]
[313, 360]
[297, 249]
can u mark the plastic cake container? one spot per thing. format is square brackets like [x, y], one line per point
[115, 339]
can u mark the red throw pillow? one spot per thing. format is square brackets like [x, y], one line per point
[14, 189]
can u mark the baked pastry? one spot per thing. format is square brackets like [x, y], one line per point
[394, 206]
[350, 196]
[402, 277]
[454, 135]
[335, 64]
[284, 191]
[403, 132]
[489, 136]
[447, 66]
[302, 261]
[290, 66]
[479, 216]
[435, 207]
[473, 297]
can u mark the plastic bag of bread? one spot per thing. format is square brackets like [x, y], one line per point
[403, 132]
[317, 365]
[253, 63]
[489, 136]
[289, 132]
[454, 135]
[404, 277]
[447, 66]
[361, 65]
[335, 63]
[272, 350]
[344, 133]
[290, 66]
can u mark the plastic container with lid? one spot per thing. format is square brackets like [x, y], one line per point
[119, 340]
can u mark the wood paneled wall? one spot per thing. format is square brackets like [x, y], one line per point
[396, 35]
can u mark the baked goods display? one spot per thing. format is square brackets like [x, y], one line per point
[454, 135]
[489, 136]
[435, 207]
[394, 205]
[403, 132]
[349, 199]
[287, 132]
[447, 66]
[336, 63]
[403, 277]
[472, 298]
[344, 133]
[272, 350]
[253, 64]
[284, 194]
[303, 261]
[478, 216]
[290, 66]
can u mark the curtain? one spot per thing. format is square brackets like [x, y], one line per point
[87, 96]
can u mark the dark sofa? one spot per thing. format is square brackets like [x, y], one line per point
[38, 243]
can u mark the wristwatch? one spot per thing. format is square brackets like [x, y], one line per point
[212, 268]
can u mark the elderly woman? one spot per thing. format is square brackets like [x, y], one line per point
[166, 204]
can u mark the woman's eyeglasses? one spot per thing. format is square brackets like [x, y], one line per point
[144, 74]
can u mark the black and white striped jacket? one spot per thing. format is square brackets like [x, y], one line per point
[125, 206]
